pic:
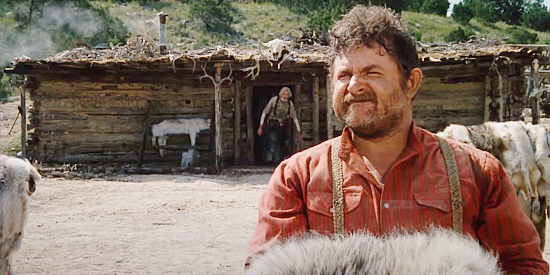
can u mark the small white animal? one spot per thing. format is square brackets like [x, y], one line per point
[18, 179]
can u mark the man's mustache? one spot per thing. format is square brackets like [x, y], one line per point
[364, 97]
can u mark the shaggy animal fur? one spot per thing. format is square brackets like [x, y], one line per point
[524, 151]
[436, 251]
[18, 179]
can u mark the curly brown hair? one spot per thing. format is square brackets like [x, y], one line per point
[371, 25]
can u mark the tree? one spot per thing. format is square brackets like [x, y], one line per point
[438, 7]
[413, 5]
[462, 13]
[536, 16]
[508, 11]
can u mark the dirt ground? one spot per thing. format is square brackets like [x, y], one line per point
[142, 224]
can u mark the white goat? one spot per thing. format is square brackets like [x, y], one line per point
[436, 251]
[18, 179]
[168, 127]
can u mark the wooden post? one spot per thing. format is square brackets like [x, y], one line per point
[535, 110]
[237, 122]
[298, 100]
[145, 125]
[330, 112]
[487, 88]
[218, 117]
[23, 123]
[500, 98]
[315, 109]
[217, 80]
[249, 126]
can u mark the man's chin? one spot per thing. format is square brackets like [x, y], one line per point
[369, 131]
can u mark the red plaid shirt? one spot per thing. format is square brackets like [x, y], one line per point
[415, 195]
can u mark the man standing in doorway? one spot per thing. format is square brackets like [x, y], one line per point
[279, 114]
[384, 172]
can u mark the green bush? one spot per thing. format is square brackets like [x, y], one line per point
[216, 15]
[519, 35]
[536, 16]
[438, 7]
[459, 35]
[413, 5]
[462, 13]
[416, 34]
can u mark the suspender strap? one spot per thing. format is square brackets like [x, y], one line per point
[337, 188]
[272, 111]
[454, 183]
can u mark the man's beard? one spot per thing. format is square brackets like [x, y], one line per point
[378, 121]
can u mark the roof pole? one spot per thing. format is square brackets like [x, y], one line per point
[162, 32]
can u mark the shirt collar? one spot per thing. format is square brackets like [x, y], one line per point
[413, 148]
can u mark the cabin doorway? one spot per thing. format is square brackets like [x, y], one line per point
[260, 97]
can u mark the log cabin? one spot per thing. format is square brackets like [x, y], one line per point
[98, 105]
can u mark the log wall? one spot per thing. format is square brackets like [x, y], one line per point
[81, 121]
[92, 119]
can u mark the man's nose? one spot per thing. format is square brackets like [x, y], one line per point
[356, 85]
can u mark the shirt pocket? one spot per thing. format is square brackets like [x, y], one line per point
[321, 202]
[439, 199]
[434, 207]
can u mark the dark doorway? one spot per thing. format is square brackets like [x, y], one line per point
[260, 97]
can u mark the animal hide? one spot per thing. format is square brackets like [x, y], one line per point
[524, 150]
[435, 251]
[18, 179]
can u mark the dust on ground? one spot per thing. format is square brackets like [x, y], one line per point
[142, 224]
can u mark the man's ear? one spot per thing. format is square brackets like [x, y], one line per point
[413, 82]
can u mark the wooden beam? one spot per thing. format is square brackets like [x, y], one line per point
[298, 104]
[23, 123]
[249, 126]
[145, 129]
[535, 110]
[487, 88]
[500, 98]
[237, 122]
[218, 117]
[315, 109]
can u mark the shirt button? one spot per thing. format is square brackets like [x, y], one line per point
[386, 205]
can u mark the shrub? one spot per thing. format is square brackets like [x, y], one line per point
[459, 35]
[462, 13]
[519, 35]
[438, 7]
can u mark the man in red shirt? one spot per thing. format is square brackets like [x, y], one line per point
[392, 174]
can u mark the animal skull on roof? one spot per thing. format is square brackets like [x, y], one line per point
[276, 49]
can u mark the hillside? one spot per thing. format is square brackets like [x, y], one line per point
[265, 21]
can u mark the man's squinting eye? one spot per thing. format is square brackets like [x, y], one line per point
[343, 75]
